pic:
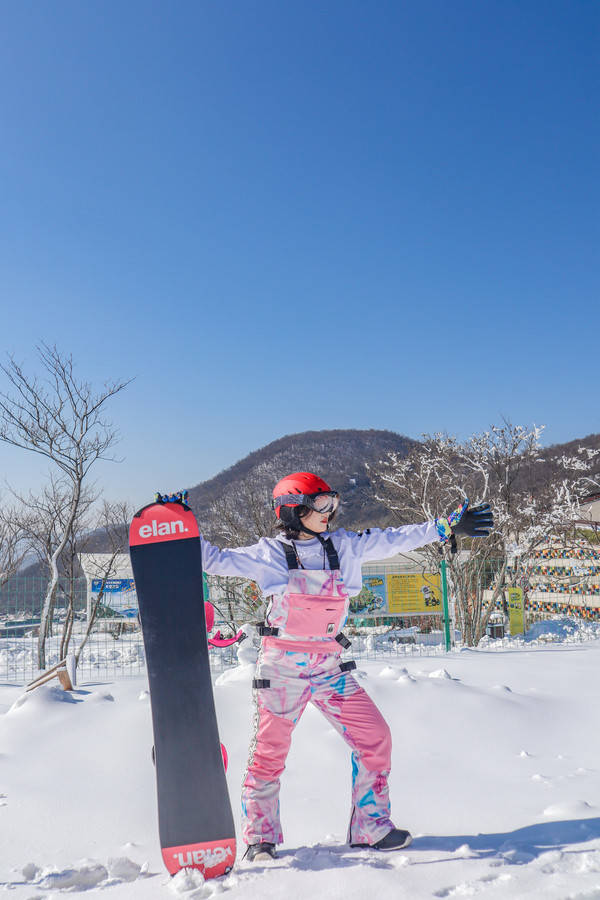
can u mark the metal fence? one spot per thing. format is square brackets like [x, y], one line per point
[114, 647]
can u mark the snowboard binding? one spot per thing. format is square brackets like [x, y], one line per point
[179, 497]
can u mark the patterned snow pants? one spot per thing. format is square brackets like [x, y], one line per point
[295, 679]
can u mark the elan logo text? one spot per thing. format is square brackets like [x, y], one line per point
[206, 858]
[157, 528]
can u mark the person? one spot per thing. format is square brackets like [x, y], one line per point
[309, 573]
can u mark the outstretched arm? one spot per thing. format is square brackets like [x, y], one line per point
[255, 562]
[379, 543]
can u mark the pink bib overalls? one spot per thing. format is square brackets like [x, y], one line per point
[299, 662]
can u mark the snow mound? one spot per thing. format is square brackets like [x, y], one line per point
[560, 629]
[30, 871]
[441, 673]
[123, 868]
[101, 696]
[41, 697]
[556, 629]
[466, 852]
[190, 884]
[391, 672]
[558, 862]
[243, 672]
[573, 809]
[247, 650]
[82, 876]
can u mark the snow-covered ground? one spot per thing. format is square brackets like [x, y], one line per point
[496, 772]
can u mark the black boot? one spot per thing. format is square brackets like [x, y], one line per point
[395, 839]
[260, 852]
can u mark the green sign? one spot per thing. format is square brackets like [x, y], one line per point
[516, 611]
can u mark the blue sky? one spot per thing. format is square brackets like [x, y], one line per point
[280, 216]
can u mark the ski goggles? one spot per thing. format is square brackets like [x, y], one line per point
[325, 502]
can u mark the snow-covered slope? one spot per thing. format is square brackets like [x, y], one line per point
[496, 772]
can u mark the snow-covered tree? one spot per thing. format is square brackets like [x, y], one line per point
[498, 466]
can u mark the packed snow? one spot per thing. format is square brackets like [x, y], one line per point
[495, 771]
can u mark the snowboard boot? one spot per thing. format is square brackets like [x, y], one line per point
[395, 839]
[260, 852]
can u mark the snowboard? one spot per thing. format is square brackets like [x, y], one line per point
[195, 821]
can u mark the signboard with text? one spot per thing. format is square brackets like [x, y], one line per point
[398, 595]
[516, 610]
[119, 599]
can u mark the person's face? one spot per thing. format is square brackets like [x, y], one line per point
[316, 521]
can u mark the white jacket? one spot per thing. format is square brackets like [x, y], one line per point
[265, 562]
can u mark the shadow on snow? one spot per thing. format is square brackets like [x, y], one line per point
[519, 846]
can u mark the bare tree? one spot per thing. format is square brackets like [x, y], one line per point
[111, 532]
[241, 517]
[14, 545]
[243, 514]
[62, 419]
[44, 520]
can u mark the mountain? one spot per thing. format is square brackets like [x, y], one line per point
[550, 469]
[340, 456]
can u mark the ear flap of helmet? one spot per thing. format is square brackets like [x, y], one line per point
[289, 516]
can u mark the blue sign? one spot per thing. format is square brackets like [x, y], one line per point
[113, 585]
[118, 597]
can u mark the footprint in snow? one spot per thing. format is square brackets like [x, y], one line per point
[83, 876]
[471, 888]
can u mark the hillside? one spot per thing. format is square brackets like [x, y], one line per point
[340, 456]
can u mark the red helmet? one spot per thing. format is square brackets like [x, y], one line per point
[303, 483]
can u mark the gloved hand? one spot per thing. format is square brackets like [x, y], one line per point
[475, 522]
